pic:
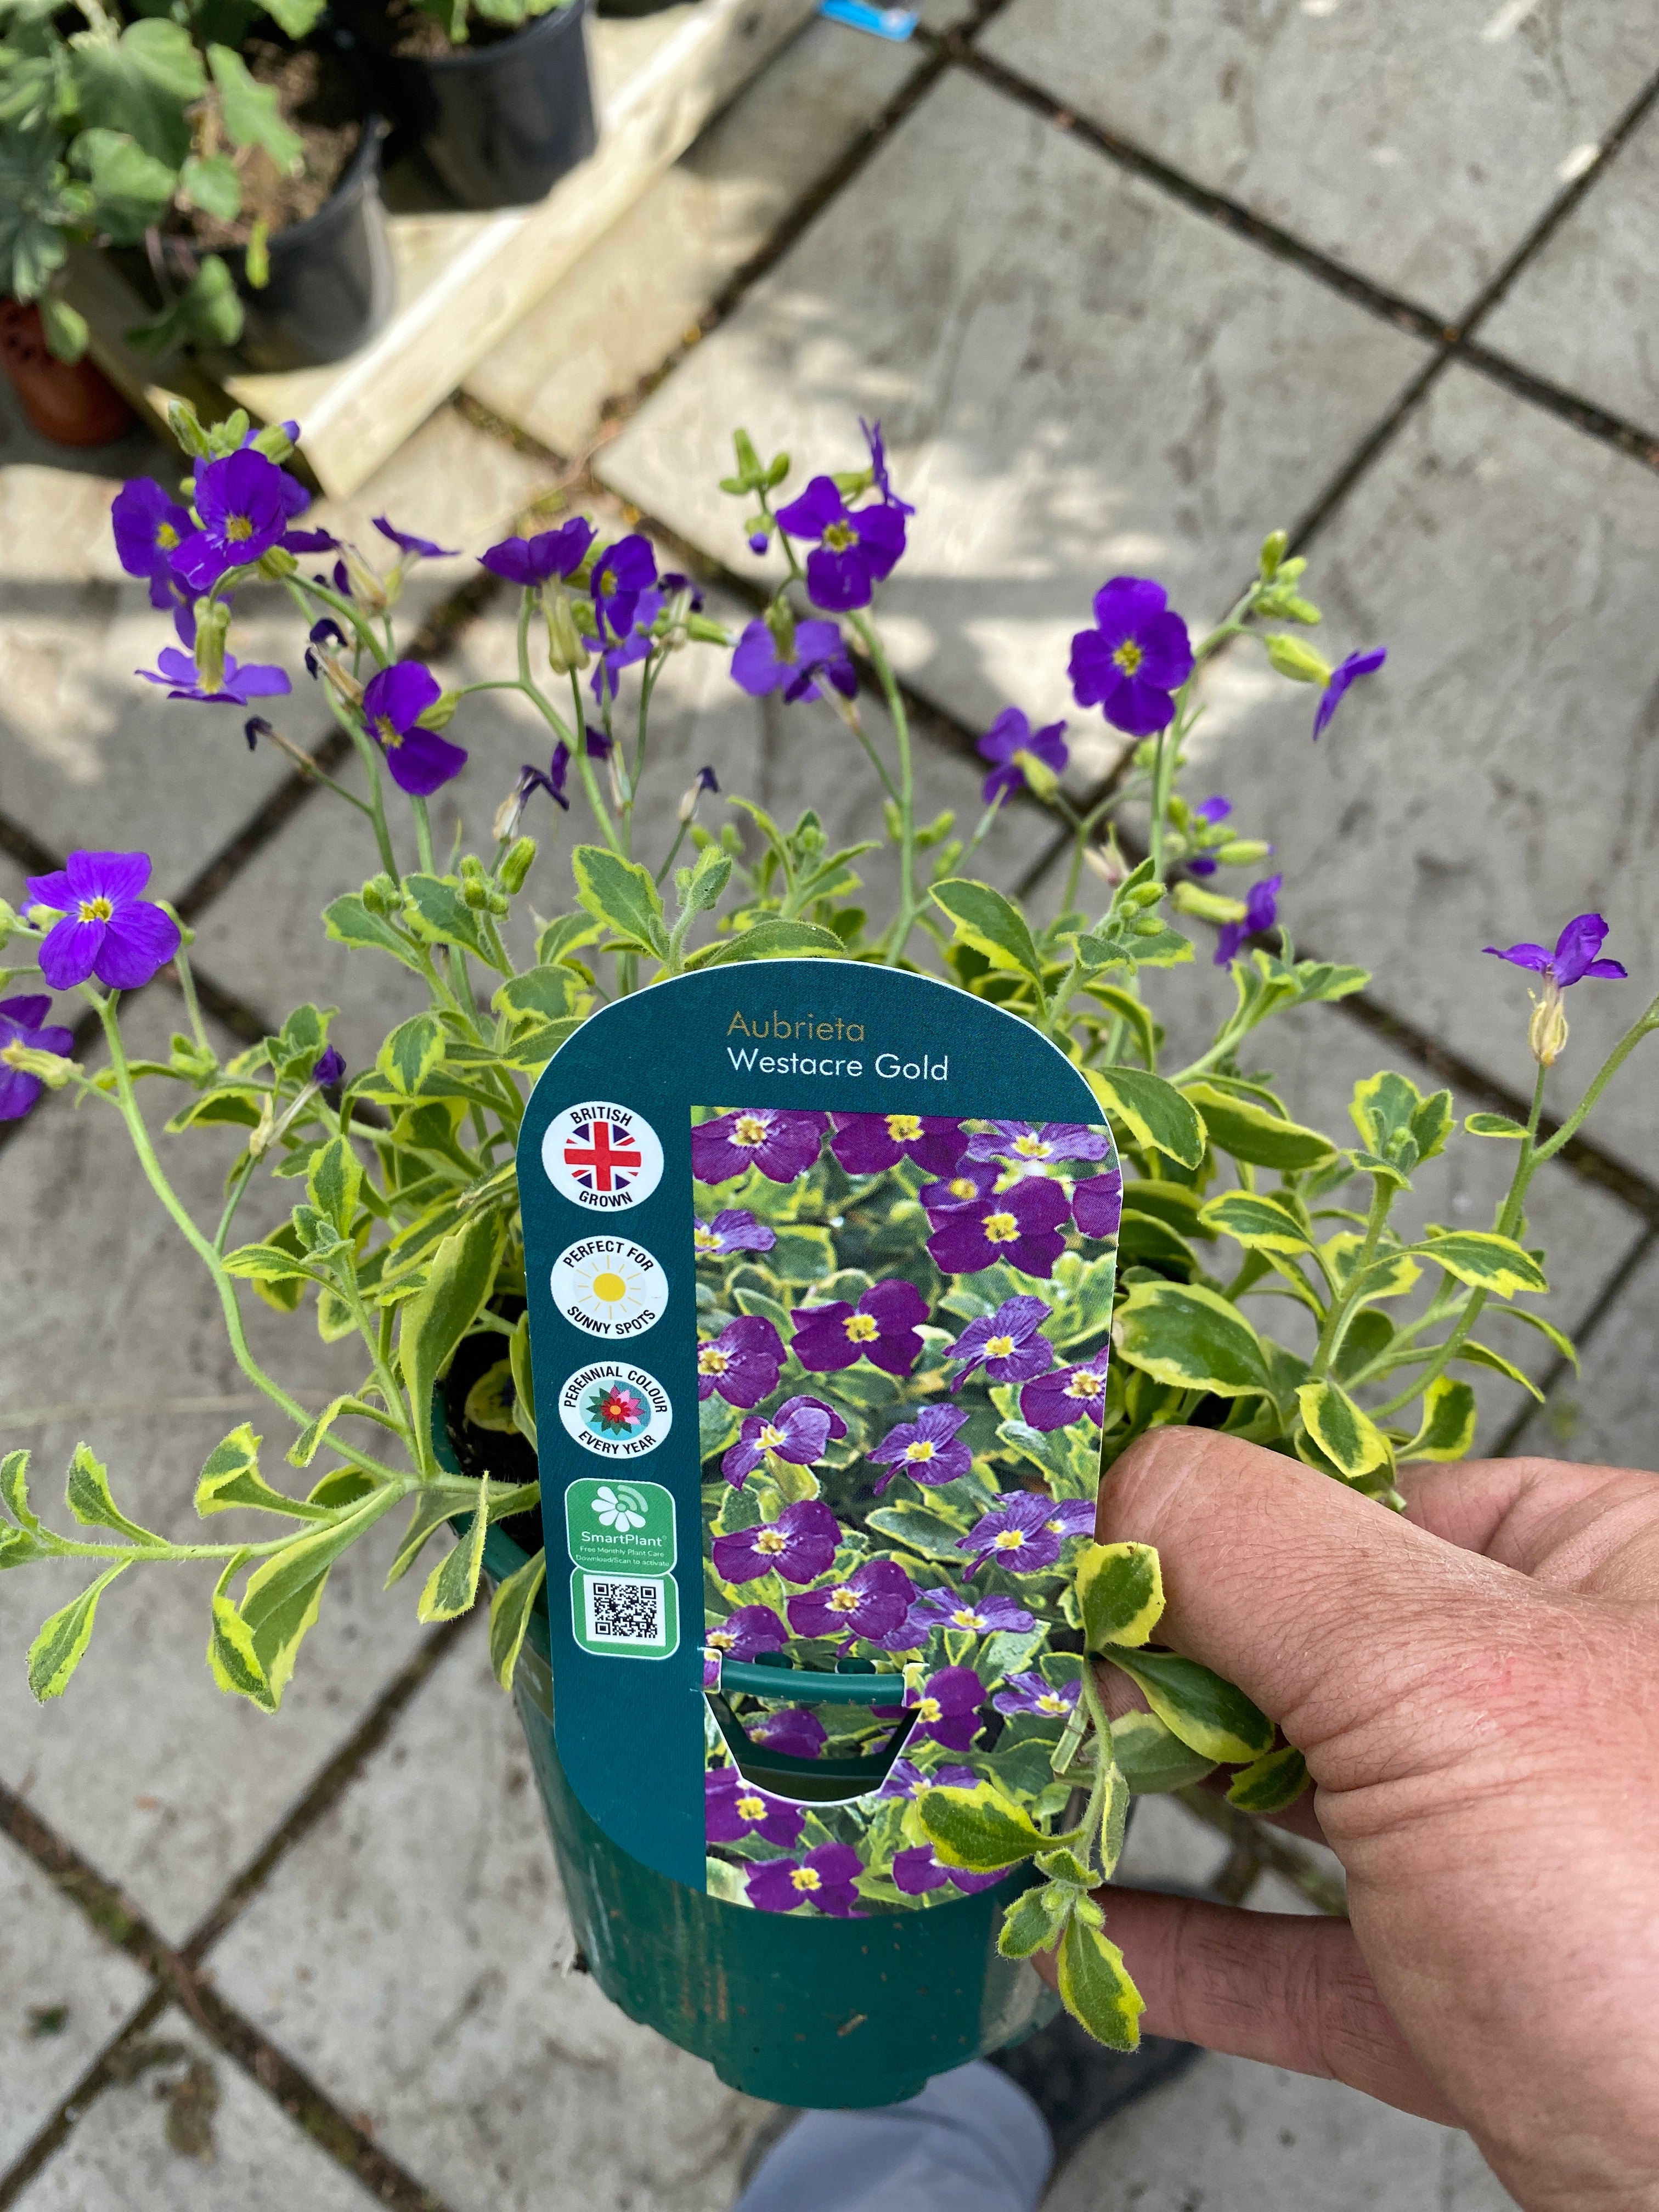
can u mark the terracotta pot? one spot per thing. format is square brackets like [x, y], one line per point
[68, 403]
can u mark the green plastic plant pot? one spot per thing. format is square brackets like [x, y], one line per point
[818, 2013]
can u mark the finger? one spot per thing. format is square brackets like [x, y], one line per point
[1323, 1605]
[1577, 1527]
[1275, 1987]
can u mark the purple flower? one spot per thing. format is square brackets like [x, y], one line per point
[394, 703]
[985, 1616]
[1005, 1343]
[1024, 1533]
[1035, 1149]
[917, 1870]
[245, 503]
[947, 1710]
[21, 1030]
[798, 1431]
[928, 1449]
[782, 1146]
[868, 1144]
[855, 550]
[240, 681]
[421, 549]
[873, 439]
[791, 1729]
[736, 1230]
[820, 655]
[1021, 1226]
[149, 528]
[1029, 1693]
[1573, 959]
[748, 1629]
[881, 1328]
[971, 1181]
[551, 553]
[1344, 674]
[905, 1780]
[873, 1599]
[742, 1362]
[1011, 736]
[824, 1879]
[1098, 1203]
[329, 1068]
[799, 1545]
[1260, 912]
[636, 647]
[1134, 658]
[1210, 811]
[622, 572]
[734, 1809]
[310, 541]
[1055, 1402]
[107, 930]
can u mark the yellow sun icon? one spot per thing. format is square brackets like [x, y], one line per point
[609, 1286]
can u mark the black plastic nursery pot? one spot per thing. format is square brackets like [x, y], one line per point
[500, 122]
[331, 285]
[816, 2013]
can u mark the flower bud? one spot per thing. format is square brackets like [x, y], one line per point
[515, 864]
[706, 781]
[509, 815]
[48, 1067]
[8, 920]
[1142, 894]
[1240, 852]
[566, 649]
[474, 890]
[276, 562]
[367, 585]
[442, 712]
[1037, 773]
[780, 621]
[1209, 906]
[212, 626]
[1547, 1032]
[381, 896]
[1273, 546]
[1291, 658]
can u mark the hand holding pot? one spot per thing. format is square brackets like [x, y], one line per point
[1476, 1689]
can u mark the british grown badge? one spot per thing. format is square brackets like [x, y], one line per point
[602, 1157]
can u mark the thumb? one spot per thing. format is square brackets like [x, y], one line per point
[1323, 1606]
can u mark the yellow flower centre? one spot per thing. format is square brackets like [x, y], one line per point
[1049, 1703]
[386, 731]
[843, 1599]
[962, 1618]
[904, 1128]
[861, 1328]
[839, 536]
[12, 1054]
[1129, 656]
[752, 1808]
[238, 529]
[750, 1130]
[928, 1709]
[1083, 1384]
[704, 1238]
[962, 1187]
[998, 1348]
[1001, 1229]
[1032, 1148]
[770, 1541]
[921, 1450]
[770, 1437]
[166, 538]
[1008, 1539]
[94, 909]
[711, 1360]
[721, 1639]
[805, 1878]
[604, 583]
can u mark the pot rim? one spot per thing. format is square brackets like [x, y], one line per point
[361, 172]
[556, 18]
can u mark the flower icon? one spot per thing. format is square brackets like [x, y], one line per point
[618, 1512]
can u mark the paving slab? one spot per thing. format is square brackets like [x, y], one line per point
[411, 1956]
[111, 1332]
[1419, 146]
[636, 294]
[239, 2148]
[1606, 1415]
[1077, 376]
[88, 754]
[1251, 2138]
[1581, 313]
[64, 1993]
[1502, 773]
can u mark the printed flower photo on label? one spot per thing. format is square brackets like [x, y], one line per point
[902, 1381]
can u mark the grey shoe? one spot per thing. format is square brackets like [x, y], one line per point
[1076, 2082]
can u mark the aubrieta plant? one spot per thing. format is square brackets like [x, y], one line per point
[1263, 1286]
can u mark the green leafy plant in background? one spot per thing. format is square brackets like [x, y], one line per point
[1265, 1288]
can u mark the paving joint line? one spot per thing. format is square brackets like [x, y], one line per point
[176, 1971]
[1560, 1368]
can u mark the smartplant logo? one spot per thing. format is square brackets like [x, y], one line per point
[620, 1528]
[622, 1509]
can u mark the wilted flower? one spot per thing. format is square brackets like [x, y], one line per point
[1572, 960]
[418, 548]
[824, 1879]
[706, 781]
[23, 1029]
[881, 1329]
[799, 1545]
[856, 548]
[742, 1362]
[874, 440]
[1134, 660]
[240, 681]
[108, 930]
[328, 1070]
[1344, 674]
[781, 1144]
[928, 1449]
[393, 702]
[1020, 753]
[1260, 912]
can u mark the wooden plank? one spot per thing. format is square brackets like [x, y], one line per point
[464, 279]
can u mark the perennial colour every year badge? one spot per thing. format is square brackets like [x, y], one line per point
[618, 1411]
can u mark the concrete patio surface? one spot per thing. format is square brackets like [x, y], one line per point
[1129, 284]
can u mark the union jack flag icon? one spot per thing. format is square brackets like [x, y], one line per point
[603, 1156]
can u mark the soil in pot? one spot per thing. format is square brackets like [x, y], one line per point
[505, 1455]
[500, 117]
[329, 284]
